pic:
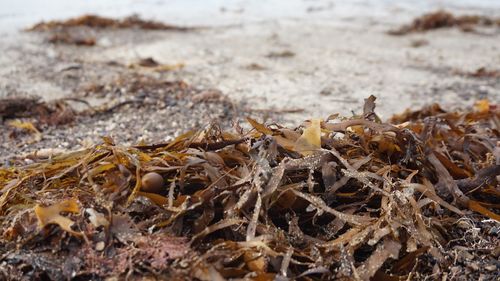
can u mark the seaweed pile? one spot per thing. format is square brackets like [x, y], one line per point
[444, 19]
[341, 198]
[43, 113]
[95, 21]
[80, 31]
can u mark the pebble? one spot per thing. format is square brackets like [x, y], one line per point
[490, 267]
[100, 246]
[474, 266]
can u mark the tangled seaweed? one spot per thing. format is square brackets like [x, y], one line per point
[352, 199]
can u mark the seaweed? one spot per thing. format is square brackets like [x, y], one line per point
[342, 198]
[80, 31]
[45, 113]
[95, 21]
[443, 19]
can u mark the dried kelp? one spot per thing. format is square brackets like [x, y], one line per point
[94, 21]
[72, 38]
[83, 30]
[444, 19]
[483, 72]
[281, 54]
[45, 113]
[352, 199]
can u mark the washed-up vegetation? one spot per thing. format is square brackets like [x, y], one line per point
[482, 72]
[94, 21]
[125, 100]
[81, 31]
[45, 113]
[444, 19]
[341, 198]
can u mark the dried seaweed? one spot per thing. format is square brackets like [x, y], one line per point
[280, 54]
[444, 19]
[44, 113]
[483, 72]
[81, 31]
[72, 38]
[94, 21]
[332, 199]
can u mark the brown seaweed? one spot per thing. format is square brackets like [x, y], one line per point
[443, 19]
[353, 199]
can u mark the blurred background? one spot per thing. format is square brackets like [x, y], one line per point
[285, 61]
[339, 50]
[217, 12]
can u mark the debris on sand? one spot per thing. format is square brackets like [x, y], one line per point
[94, 21]
[417, 43]
[17, 107]
[255, 66]
[485, 73]
[154, 65]
[66, 37]
[109, 99]
[43, 113]
[21, 127]
[444, 19]
[81, 31]
[481, 72]
[148, 62]
[352, 198]
[281, 54]
[27, 117]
